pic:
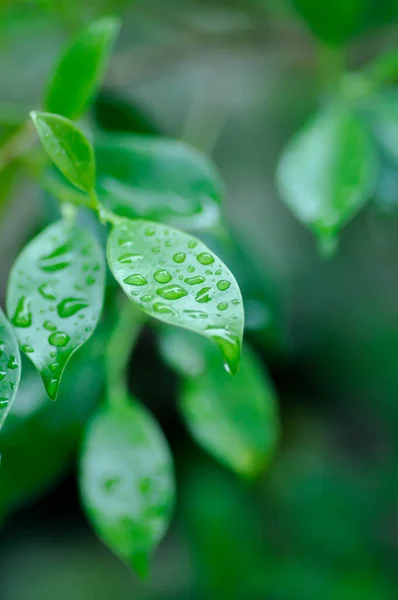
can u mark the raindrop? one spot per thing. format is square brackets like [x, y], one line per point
[196, 314]
[59, 339]
[195, 280]
[52, 388]
[218, 272]
[70, 306]
[156, 250]
[162, 276]
[127, 259]
[191, 269]
[203, 295]
[172, 292]
[54, 367]
[57, 260]
[47, 291]
[26, 348]
[192, 244]
[146, 298]
[12, 363]
[135, 279]
[205, 258]
[235, 301]
[90, 280]
[222, 306]
[3, 403]
[150, 231]
[179, 257]
[49, 326]
[2, 375]
[223, 285]
[164, 309]
[22, 316]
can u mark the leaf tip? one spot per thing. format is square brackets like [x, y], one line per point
[140, 563]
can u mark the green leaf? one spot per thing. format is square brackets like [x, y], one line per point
[328, 172]
[10, 367]
[233, 418]
[81, 68]
[176, 279]
[68, 148]
[333, 22]
[159, 179]
[54, 297]
[127, 483]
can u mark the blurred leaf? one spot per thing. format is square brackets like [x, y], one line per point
[68, 148]
[382, 114]
[113, 113]
[81, 68]
[127, 481]
[39, 438]
[54, 297]
[174, 278]
[233, 418]
[10, 367]
[334, 22]
[327, 173]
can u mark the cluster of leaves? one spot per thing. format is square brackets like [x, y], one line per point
[139, 188]
[337, 163]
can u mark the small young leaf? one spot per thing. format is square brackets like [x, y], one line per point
[175, 278]
[10, 367]
[81, 68]
[127, 482]
[68, 148]
[158, 179]
[233, 418]
[54, 297]
[328, 172]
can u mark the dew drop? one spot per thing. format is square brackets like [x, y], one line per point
[26, 348]
[205, 258]
[22, 316]
[229, 345]
[47, 291]
[54, 367]
[146, 298]
[59, 339]
[179, 257]
[156, 250]
[196, 314]
[150, 231]
[12, 363]
[70, 306]
[127, 259]
[218, 272]
[172, 292]
[191, 269]
[162, 276]
[168, 243]
[222, 306]
[57, 260]
[235, 301]
[3, 403]
[2, 375]
[52, 388]
[90, 280]
[135, 279]
[223, 285]
[203, 295]
[164, 309]
[49, 326]
[195, 280]
[192, 244]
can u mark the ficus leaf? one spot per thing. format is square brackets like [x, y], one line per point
[175, 278]
[127, 482]
[68, 148]
[328, 172]
[54, 297]
[153, 178]
[81, 68]
[233, 418]
[10, 367]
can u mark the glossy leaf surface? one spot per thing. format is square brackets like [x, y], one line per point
[159, 179]
[328, 172]
[127, 483]
[10, 367]
[233, 418]
[54, 297]
[68, 148]
[175, 278]
[81, 68]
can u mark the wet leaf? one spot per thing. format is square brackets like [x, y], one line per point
[176, 279]
[81, 68]
[127, 483]
[328, 172]
[68, 148]
[10, 367]
[233, 418]
[54, 297]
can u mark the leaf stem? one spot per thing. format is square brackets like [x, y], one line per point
[129, 324]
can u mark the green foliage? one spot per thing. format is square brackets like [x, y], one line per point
[81, 68]
[68, 148]
[327, 173]
[333, 22]
[235, 420]
[10, 367]
[54, 298]
[127, 482]
[176, 279]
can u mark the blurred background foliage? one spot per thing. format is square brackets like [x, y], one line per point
[235, 78]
